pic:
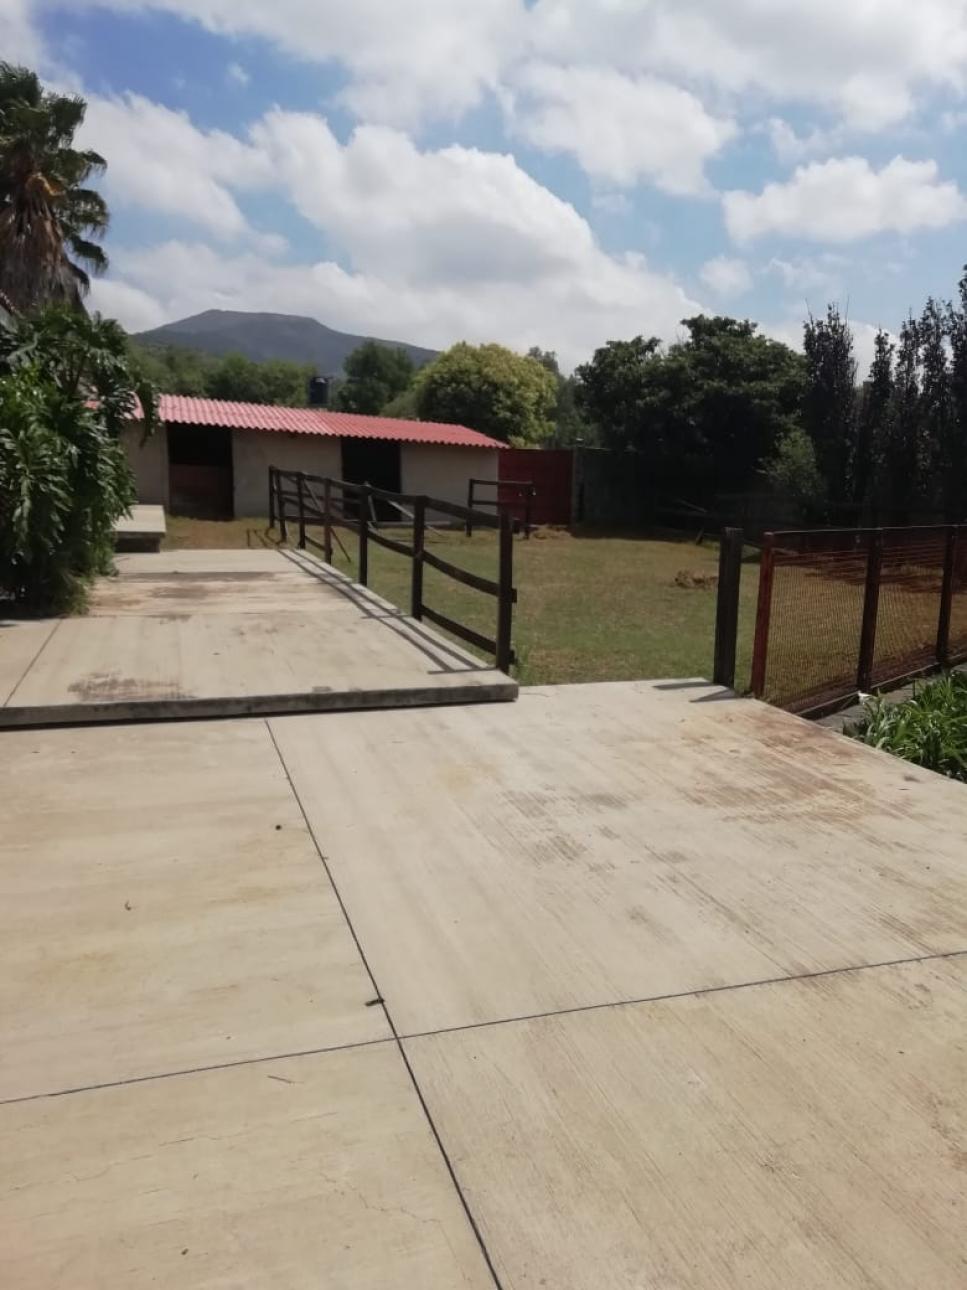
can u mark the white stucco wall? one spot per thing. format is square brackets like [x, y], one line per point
[254, 451]
[149, 461]
[437, 471]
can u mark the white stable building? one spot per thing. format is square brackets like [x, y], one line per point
[211, 457]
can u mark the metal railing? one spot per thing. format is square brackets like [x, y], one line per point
[320, 501]
[525, 493]
[847, 611]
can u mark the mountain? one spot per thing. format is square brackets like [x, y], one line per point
[261, 336]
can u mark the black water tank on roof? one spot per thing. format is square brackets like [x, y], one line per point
[319, 392]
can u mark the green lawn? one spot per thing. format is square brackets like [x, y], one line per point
[591, 607]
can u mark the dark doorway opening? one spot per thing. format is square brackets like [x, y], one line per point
[200, 471]
[376, 462]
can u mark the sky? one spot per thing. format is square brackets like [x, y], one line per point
[537, 172]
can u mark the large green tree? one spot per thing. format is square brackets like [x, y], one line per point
[375, 375]
[51, 220]
[274, 381]
[184, 371]
[613, 389]
[707, 413]
[490, 389]
[570, 424]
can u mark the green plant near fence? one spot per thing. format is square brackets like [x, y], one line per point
[929, 729]
[66, 391]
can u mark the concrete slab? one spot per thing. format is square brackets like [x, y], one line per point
[163, 908]
[808, 1134]
[598, 843]
[142, 530]
[233, 633]
[318, 1171]
[20, 643]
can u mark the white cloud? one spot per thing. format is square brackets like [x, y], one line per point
[620, 128]
[611, 203]
[19, 40]
[866, 60]
[138, 310]
[822, 273]
[236, 74]
[406, 61]
[845, 199]
[456, 214]
[726, 276]
[791, 147]
[429, 244]
[159, 160]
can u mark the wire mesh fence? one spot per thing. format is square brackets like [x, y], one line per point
[842, 611]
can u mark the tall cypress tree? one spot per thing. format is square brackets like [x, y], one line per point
[902, 456]
[829, 406]
[872, 444]
[955, 491]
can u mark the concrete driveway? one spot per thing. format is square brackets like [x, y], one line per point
[230, 633]
[625, 985]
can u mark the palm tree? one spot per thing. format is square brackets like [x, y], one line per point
[49, 219]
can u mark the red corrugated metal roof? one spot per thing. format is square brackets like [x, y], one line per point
[181, 409]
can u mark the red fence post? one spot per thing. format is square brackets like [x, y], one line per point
[871, 605]
[763, 613]
[946, 597]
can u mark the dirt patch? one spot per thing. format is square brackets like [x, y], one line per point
[696, 579]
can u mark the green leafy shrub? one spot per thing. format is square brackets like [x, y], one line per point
[66, 391]
[929, 729]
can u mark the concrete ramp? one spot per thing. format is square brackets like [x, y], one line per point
[230, 633]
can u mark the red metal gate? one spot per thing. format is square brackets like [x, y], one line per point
[551, 471]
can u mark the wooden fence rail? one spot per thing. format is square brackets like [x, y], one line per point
[320, 501]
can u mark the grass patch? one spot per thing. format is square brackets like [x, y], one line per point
[592, 606]
[929, 729]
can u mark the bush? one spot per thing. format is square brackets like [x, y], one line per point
[930, 729]
[66, 391]
[793, 473]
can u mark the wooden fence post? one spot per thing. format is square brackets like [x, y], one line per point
[327, 520]
[300, 490]
[763, 613]
[470, 507]
[871, 605]
[280, 502]
[419, 542]
[364, 535]
[528, 499]
[727, 607]
[946, 597]
[505, 602]
[271, 497]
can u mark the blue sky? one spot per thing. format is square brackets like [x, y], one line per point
[561, 172]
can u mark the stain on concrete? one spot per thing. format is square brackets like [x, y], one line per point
[106, 686]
